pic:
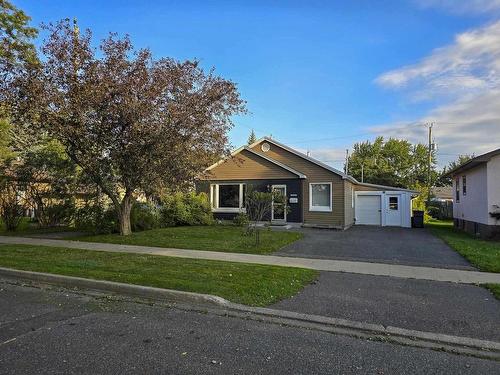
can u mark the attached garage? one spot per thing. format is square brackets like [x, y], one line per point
[384, 208]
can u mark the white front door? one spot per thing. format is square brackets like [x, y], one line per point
[393, 210]
[278, 212]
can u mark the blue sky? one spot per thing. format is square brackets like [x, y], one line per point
[321, 75]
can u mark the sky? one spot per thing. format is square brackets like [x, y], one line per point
[323, 75]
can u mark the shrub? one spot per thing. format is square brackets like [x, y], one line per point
[96, 219]
[11, 211]
[61, 213]
[144, 216]
[185, 209]
[241, 219]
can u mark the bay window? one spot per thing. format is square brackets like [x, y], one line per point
[320, 196]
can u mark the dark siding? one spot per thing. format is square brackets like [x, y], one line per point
[293, 186]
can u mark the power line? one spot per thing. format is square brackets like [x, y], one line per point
[356, 135]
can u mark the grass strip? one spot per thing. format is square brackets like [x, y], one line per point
[249, 284]
[222, 238]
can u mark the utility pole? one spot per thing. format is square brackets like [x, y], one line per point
[429, 162]
[362, 172]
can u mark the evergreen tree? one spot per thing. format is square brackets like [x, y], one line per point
[252, 138]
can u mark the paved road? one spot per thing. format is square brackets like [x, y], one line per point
[442, 307]
[421, 273]
[393, 245]
[47, 332]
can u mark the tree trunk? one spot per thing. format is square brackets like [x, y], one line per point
[124, 215]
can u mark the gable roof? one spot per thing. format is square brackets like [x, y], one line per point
[474, 162]
[246, 148]
[304, 156]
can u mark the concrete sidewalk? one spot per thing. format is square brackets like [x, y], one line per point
[378, 269]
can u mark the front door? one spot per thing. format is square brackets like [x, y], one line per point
[278, 212]
[393, 210]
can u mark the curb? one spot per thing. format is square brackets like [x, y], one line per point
[159, 294]
[220, 306]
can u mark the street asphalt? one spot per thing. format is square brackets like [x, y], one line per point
[394, 245]
[432, 306]
[57, 331]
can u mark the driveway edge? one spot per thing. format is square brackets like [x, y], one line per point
[218, 305]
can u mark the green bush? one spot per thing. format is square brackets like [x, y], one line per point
[55, 214]
[185, 209]
[144, 216]
[96, 219]
[241, 219]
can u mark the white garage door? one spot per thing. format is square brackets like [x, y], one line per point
[368, 210]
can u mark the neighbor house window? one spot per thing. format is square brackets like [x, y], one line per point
[457, 190]
[227, 197]
[464, 185]
[320, 196]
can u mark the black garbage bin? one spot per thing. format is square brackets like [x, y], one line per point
[417, 220]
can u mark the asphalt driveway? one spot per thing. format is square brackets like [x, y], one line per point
[407, 246]
[432, 306]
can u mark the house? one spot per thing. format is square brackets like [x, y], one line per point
[317, 194]
[441, 206]
[442, 193]
[476, 205]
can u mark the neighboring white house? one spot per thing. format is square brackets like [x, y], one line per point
[476, 199]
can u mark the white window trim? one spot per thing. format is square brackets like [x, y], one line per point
[215, 205]
[320, 208]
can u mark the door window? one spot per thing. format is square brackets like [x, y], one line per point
[393, 203]
[278, 211]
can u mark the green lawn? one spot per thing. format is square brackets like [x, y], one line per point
[215, 238]
[485, 255]
[255, 285]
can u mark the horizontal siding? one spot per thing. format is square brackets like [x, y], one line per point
[247, 166]
[349, 209]
[314, 173]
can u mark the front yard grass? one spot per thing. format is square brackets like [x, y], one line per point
[255, 285]
[483, 254]
[214, 238]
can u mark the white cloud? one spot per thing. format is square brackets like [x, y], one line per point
[331, 156]
[466, 77]
[472, 62]
[461, 6]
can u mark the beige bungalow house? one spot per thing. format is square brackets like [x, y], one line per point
[317, 194]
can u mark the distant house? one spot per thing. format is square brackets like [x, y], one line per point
[317, 194]
[441, 202]
[476, 198]
[442, 193]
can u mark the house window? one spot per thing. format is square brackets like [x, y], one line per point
[464, 185]
[320, 196]
[393, 203]
[457, 190]
[227, 197]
